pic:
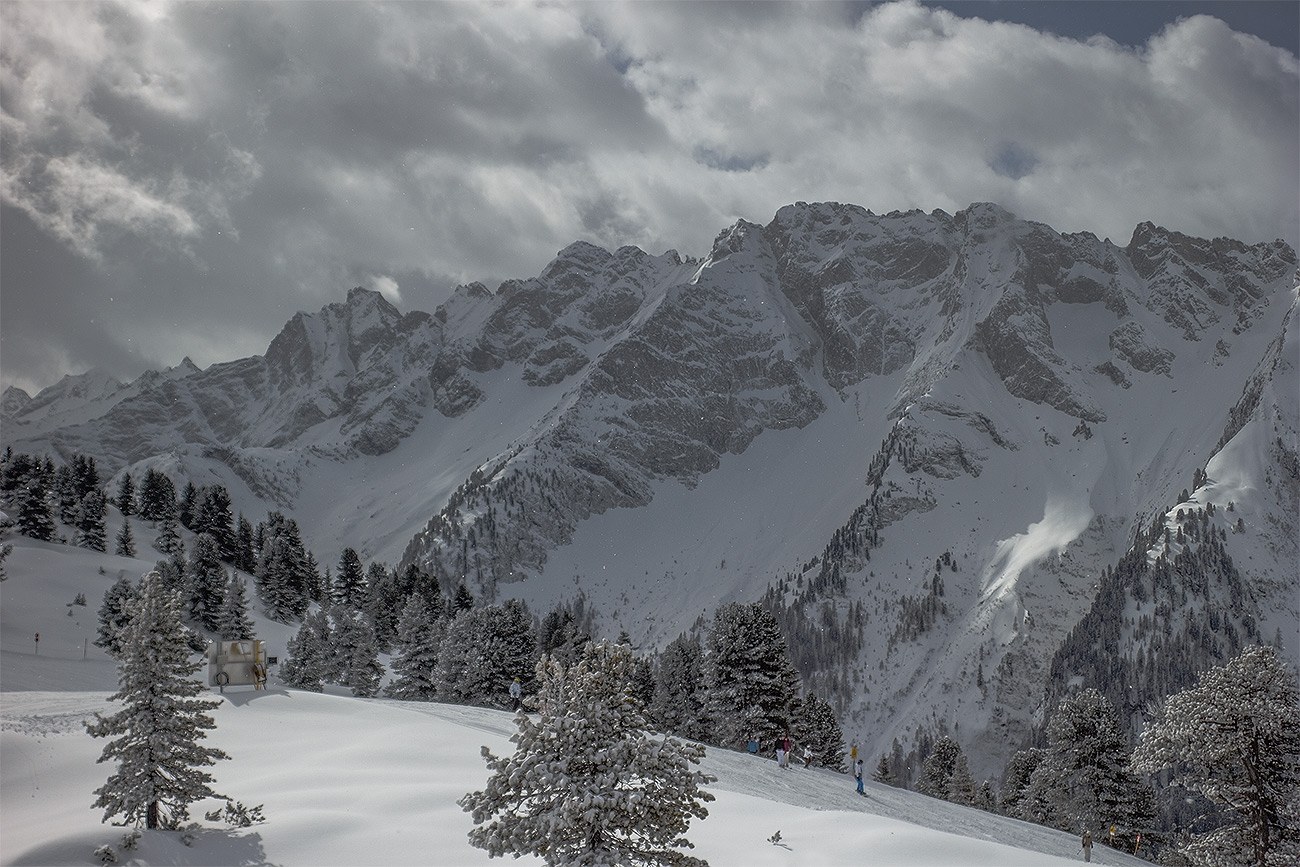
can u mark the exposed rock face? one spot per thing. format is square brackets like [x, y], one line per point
[1036, 398]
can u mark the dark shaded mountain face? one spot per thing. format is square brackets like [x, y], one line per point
[929, 441]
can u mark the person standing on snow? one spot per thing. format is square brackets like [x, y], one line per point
[516, 694]
[783, 752]
[807, 756]
[857, 774]
[1087, 845]
[753, 745]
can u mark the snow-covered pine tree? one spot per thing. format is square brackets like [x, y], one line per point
[310, 653]
[169, 534]
[482, 651]
[1015, 781]
[205, 582]
[157, 731]
[245, 551]
[34, 517]
[157, 496]
[1084, 778]
[416, 658]
[356, 656]
[816, 726]
[282, 576]
[961, 785]
[233, 622]
[750, 680]
[586, 784]
[212, 515]
[125, 541]
[883, 772]
[115, 614]
[678, 705]
[90, 522]
[938, 768]
[125, 500]
[349, 588]
[1235, 738]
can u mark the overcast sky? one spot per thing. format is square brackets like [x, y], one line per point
[180, 179]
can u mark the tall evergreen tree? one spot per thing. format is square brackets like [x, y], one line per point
[125, 541]
[34, 517]
[212, 515]
[233, 622]
[1084, 778]
[90, 522]
[356, 654]
[1015, 780]
[125, 500]
[817, 727]
[751, 682]
[169, 534]
[310, 654]
[245, 551]
[350, 581]
[185, 505]
[599, 792]
[678, 704]
[1235, 738]
[416, 659]
[157, 496]
[120, 603]
[938, 767]
[884, 773]
[158, 730]
[205, 582]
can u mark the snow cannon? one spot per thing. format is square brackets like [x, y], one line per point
[237, 663]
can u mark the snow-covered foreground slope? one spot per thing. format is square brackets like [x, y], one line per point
[350, 781]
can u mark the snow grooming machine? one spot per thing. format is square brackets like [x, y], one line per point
[237, 663]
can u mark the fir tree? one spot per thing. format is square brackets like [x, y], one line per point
[586, 784]
[817, 728]
[233, 623]
[883, 772]
[938, 768]
[90, 522]
[1015, 780]
[212, 515]
[120, 602]
[205, 582]
[751, 683]
[157, 496]
[1235, 738]
[349, 588]
[463, 600]
[418, 636]
[961, 785]
[1083, 778]
[357, 657]
[185, 505]
[125, 500]
[169, 535]
[125, 541]
[157, 732]
[678, 705]
[310, 653]
[245, 551]
[34, 518]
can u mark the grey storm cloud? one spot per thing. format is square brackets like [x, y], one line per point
[178, 179]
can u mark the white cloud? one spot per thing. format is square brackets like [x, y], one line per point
[289, 152]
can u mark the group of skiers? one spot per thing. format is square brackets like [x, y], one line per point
[784, 749]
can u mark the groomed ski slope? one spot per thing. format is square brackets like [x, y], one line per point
[348, 781]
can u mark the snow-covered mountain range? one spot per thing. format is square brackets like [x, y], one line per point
[945, 448]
